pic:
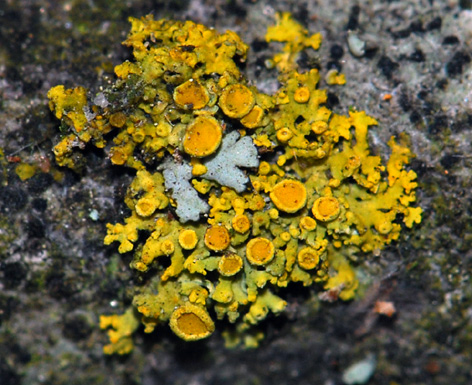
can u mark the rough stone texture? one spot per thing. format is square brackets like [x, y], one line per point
[56, 276]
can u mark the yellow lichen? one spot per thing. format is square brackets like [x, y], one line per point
[284, 134]
[319, 127]
[254, 118]
[308, 258]
[230, 265]
[191, 322]
[69, 103]
[188, 239]
[217, 238]
[210, 229]
[197, 167]
[191, 95]
[241, 223]
[326, 209]
[333, 77]
[202, 137]
[308, 223]
[260, 251]
[25, 171]
[296, 39]
[236, 100]
[301, 95]
[289, 195]
[167, 247]
[118, 119]
[121, 328]
[145, 207]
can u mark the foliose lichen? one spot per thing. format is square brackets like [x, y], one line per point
[258, 190]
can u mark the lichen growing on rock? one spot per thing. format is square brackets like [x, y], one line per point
[260, 190]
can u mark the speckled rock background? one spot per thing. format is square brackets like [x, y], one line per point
[56, 276]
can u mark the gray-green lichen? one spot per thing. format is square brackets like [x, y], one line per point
[177, 176]
[234, 154]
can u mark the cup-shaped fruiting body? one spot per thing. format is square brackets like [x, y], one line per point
[217, 238]
[308, 258]
[191, 323]
[236, 100]
[117, 119]
[285, 236]
[264, 168]
[326, 209]
[284, 134]
[145, 207]
[230, 265]
[202, 137]
[119, 155]
[301, 95]
[289, 195]
[253, 118]
[241, 223]
[308, 223]
[167, 247]
[191, 95]
[188, 239]
[260, 251]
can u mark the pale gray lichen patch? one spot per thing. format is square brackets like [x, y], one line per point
[233, 153]
[223, 168]
[177, 178]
